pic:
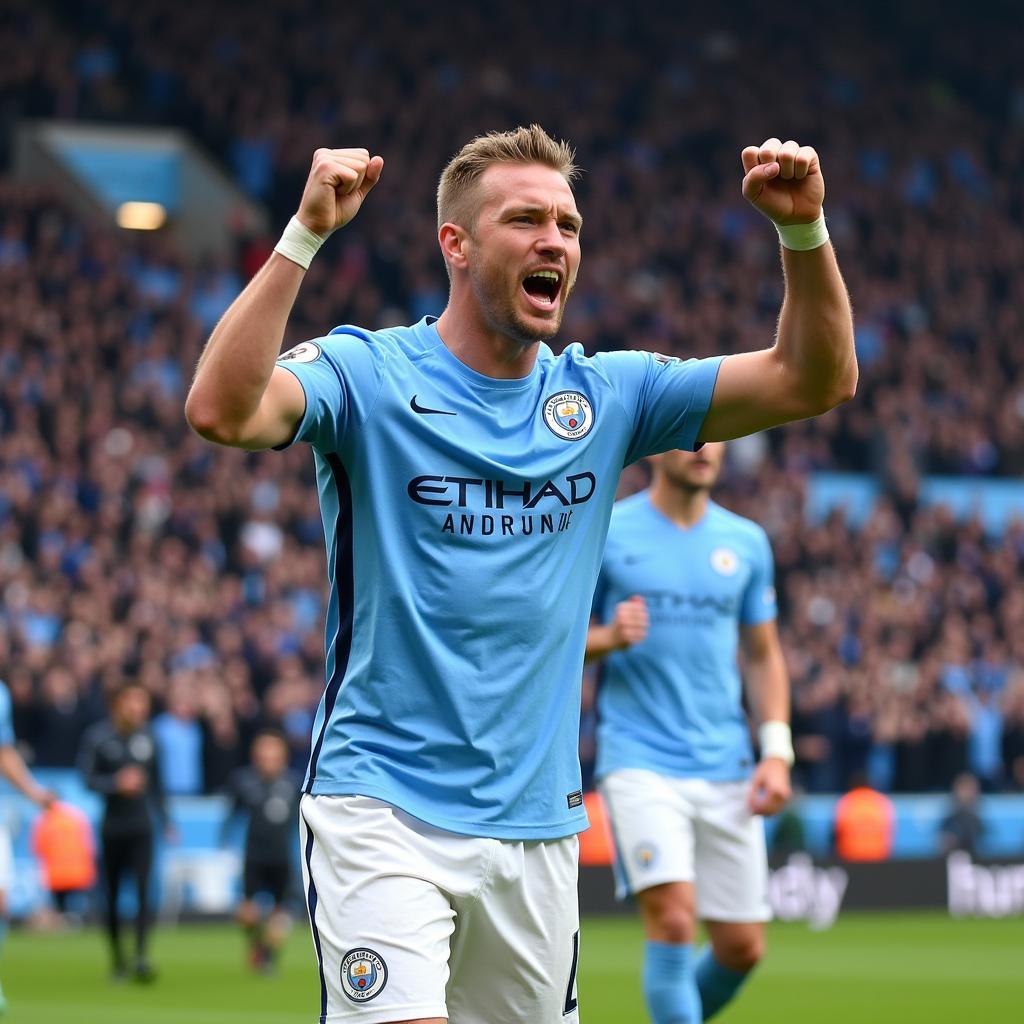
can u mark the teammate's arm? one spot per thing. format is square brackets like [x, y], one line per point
[15, 771]
[238, 396]
[812, 367]
[628, 626]
[768, 688]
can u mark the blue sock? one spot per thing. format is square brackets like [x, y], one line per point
[717, 984]
[669, 986]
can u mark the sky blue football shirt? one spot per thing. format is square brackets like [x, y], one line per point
[465, 519]
[672, 704]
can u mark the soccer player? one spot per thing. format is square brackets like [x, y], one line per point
[683, 587]
[13, 769]
[267, 795]
[119, 760]
[466, 477]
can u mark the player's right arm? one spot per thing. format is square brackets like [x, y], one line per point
[238, 396]
[628, 627]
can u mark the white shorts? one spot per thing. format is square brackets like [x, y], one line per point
[6, 860]
[689, 830]
[410, 921]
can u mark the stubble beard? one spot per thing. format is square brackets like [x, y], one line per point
[498, 309]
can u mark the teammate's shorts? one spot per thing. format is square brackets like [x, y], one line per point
[6, 860]
[410, 921]
[689, 830]
[271, 879]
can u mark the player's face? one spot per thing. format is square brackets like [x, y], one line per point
[524, 251]
[692, 471]
[270, 756]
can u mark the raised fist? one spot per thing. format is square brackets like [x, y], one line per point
[783, 180]
[338, 182]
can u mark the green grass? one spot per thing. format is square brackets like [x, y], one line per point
[869, 969]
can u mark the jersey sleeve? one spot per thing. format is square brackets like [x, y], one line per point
[98, 777]
[6, 718]
[759, 604]
[666, 398]
[341, 377]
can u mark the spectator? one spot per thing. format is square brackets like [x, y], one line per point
[962, 828]
[179, 738]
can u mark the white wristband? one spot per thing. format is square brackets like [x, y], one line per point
[776, 740]
[802, 237]
[298, 243]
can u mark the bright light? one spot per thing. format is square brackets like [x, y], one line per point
[141, 216]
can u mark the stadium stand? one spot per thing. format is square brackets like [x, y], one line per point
[129, 548]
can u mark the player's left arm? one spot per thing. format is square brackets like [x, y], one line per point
[15, 771]
[812, 367]
[768, 688]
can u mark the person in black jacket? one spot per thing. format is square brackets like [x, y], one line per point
[119, 760]
[268, 794]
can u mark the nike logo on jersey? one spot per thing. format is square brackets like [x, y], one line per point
[424, 411]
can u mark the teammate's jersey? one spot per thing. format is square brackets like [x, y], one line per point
[673, 703]
[465, 518]
[6, 717]
[271, 806]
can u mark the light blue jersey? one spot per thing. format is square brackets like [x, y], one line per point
[465, 518]
[6, 717]
[672, 704]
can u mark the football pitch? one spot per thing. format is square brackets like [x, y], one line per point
[869, 969]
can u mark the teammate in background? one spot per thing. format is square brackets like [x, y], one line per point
[268, 796]
[466, 478]
[13, 769]
[119, 760]
[674, 758]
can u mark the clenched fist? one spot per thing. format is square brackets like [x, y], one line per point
[631, 622]
[338, 182]
[769, 787]
[783, 180]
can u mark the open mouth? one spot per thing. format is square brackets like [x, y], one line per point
[543, 286]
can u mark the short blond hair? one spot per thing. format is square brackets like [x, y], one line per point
[457, 199]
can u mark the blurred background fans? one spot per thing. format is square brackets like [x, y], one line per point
[151, 151]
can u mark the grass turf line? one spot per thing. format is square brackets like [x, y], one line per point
[870, 969]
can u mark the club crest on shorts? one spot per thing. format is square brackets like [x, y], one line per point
[363, 974]
[307, 352]
[569, 415]
[725, 561]
[645, 854]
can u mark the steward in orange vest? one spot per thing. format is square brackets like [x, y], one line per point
[864, 825]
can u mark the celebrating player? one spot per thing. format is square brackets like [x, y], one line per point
[466, 478]
[267, 795]
[119, 761]
[683, 585]
[13, 769]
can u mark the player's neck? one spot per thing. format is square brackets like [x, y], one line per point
[683, 506]
[472, 341]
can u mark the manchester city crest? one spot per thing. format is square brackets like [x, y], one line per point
[725, 561]
[363, 974]
[645, 854]
[569, 415]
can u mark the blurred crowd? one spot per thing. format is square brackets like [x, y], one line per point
[129, 548]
